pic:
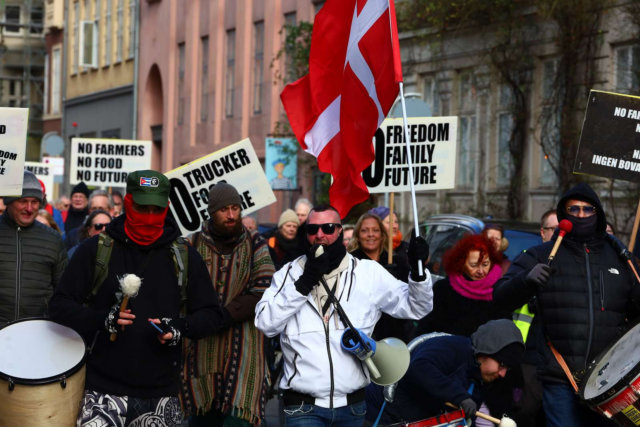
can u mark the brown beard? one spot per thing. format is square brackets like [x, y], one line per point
[220, 230]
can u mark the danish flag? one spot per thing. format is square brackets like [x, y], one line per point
[354, 70]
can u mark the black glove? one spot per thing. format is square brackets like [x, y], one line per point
[111, 322]
[418, 253]
[538, 276]
[393, 270]
[469, 407]
[176, 327]
[314, 269]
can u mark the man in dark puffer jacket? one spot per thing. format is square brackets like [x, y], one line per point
[32, 256]
[584, 299]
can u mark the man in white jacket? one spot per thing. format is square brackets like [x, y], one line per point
[322, 383]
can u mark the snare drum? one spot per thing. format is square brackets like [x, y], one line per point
[449, 419]
[41, 374]
[611, 385]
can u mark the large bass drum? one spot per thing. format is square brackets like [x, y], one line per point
[41, 374]
[611, 385]
[449, 419]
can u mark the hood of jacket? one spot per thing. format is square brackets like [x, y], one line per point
[585, 193]
[171, 231]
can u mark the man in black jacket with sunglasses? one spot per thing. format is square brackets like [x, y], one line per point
[584, 297]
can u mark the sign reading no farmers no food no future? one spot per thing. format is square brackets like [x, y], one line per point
[433, 155]
[237, 165]
[610, 141]
[107, 162]
[13, 142]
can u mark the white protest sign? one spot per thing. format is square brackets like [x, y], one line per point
[44, 172]
[13, 144]
[57, 164]
[107, 162]
[433, 142]
[237, 165]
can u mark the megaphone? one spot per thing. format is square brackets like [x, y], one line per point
[387, 359]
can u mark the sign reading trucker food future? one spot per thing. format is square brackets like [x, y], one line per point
[107, 162]
[13, 142]
[610, 141]
[237, 165]
[433, 155]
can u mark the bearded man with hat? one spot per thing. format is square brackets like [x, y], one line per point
[32, 255]
[225, 374]
[134, 379]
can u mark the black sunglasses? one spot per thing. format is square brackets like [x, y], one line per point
[99, 227]
[328, 228]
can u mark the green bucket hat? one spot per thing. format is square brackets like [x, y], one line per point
[149, 188]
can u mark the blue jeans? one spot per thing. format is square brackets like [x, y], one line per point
[563, 408]
[307, 415]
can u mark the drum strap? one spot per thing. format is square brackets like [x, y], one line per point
[564, 366]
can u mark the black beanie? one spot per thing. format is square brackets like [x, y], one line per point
[80, 188]
[510, 355]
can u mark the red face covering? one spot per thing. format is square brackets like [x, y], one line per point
[143, 229]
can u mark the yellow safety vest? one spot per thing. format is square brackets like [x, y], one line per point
[522, 317]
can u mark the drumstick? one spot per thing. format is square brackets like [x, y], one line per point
[130, 285]
[479, 414]
[565, 227]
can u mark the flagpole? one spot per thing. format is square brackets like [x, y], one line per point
[413, 189]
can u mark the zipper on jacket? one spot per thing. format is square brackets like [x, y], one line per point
[601, 290]
[590, 292]
[326, 332]
[18, 262]
[295, 370]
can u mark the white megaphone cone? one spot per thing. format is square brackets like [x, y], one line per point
[387, 360]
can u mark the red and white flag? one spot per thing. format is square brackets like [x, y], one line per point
[334, 111]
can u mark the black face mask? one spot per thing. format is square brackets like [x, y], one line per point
[583, 227]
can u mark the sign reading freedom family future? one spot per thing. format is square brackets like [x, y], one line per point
[610, 141]
[237, 165]
[13, 143]
[107, 162]
[433, 154]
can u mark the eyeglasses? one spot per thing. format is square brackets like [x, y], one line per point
[328, 228]
[99, 227]
[575, 210]
[548, 228]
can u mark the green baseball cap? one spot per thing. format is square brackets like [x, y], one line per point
[149, 188]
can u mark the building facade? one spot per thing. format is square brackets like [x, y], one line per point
[54, 44]
[208, 79]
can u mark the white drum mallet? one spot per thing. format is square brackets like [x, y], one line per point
[504, 422]
[130, 285]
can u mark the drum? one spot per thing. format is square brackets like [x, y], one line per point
[449, 419]
[41, 374]
[611, 384]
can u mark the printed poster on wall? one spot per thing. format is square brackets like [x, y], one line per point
[610, 140]
[14, 123]
[107, 162]
[281, 163]
[433, 146]
[237, 165]
[44, 172]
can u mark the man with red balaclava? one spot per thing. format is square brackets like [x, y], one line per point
[135, 379]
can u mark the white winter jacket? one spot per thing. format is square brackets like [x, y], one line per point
[314, 362]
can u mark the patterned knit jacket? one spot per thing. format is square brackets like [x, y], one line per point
[228, 371]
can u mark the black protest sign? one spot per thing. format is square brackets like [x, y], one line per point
[610, 141]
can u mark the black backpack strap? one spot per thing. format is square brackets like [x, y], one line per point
[105, 247]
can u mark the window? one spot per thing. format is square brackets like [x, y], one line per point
[467, 95]
[55, 81]
[258, 63]
[88, 42]
[290, 74]
[119, 34]
[505, 129]
[47, 75]
[111, 133]
[12, 16]
[431, 94]
[98, 7]
[37, 15]
[466, 164]
[627, 69]
[108, 50]
[204, 79]
[76, 36]
[550, 150]
[15, 93]
[549, 75]
[132, 28]
[231, 69]
[181, 70]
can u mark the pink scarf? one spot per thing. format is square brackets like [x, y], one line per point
[476, 289]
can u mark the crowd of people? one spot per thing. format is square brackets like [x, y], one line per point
[228, 297]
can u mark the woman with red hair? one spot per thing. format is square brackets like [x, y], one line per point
[464, 300]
